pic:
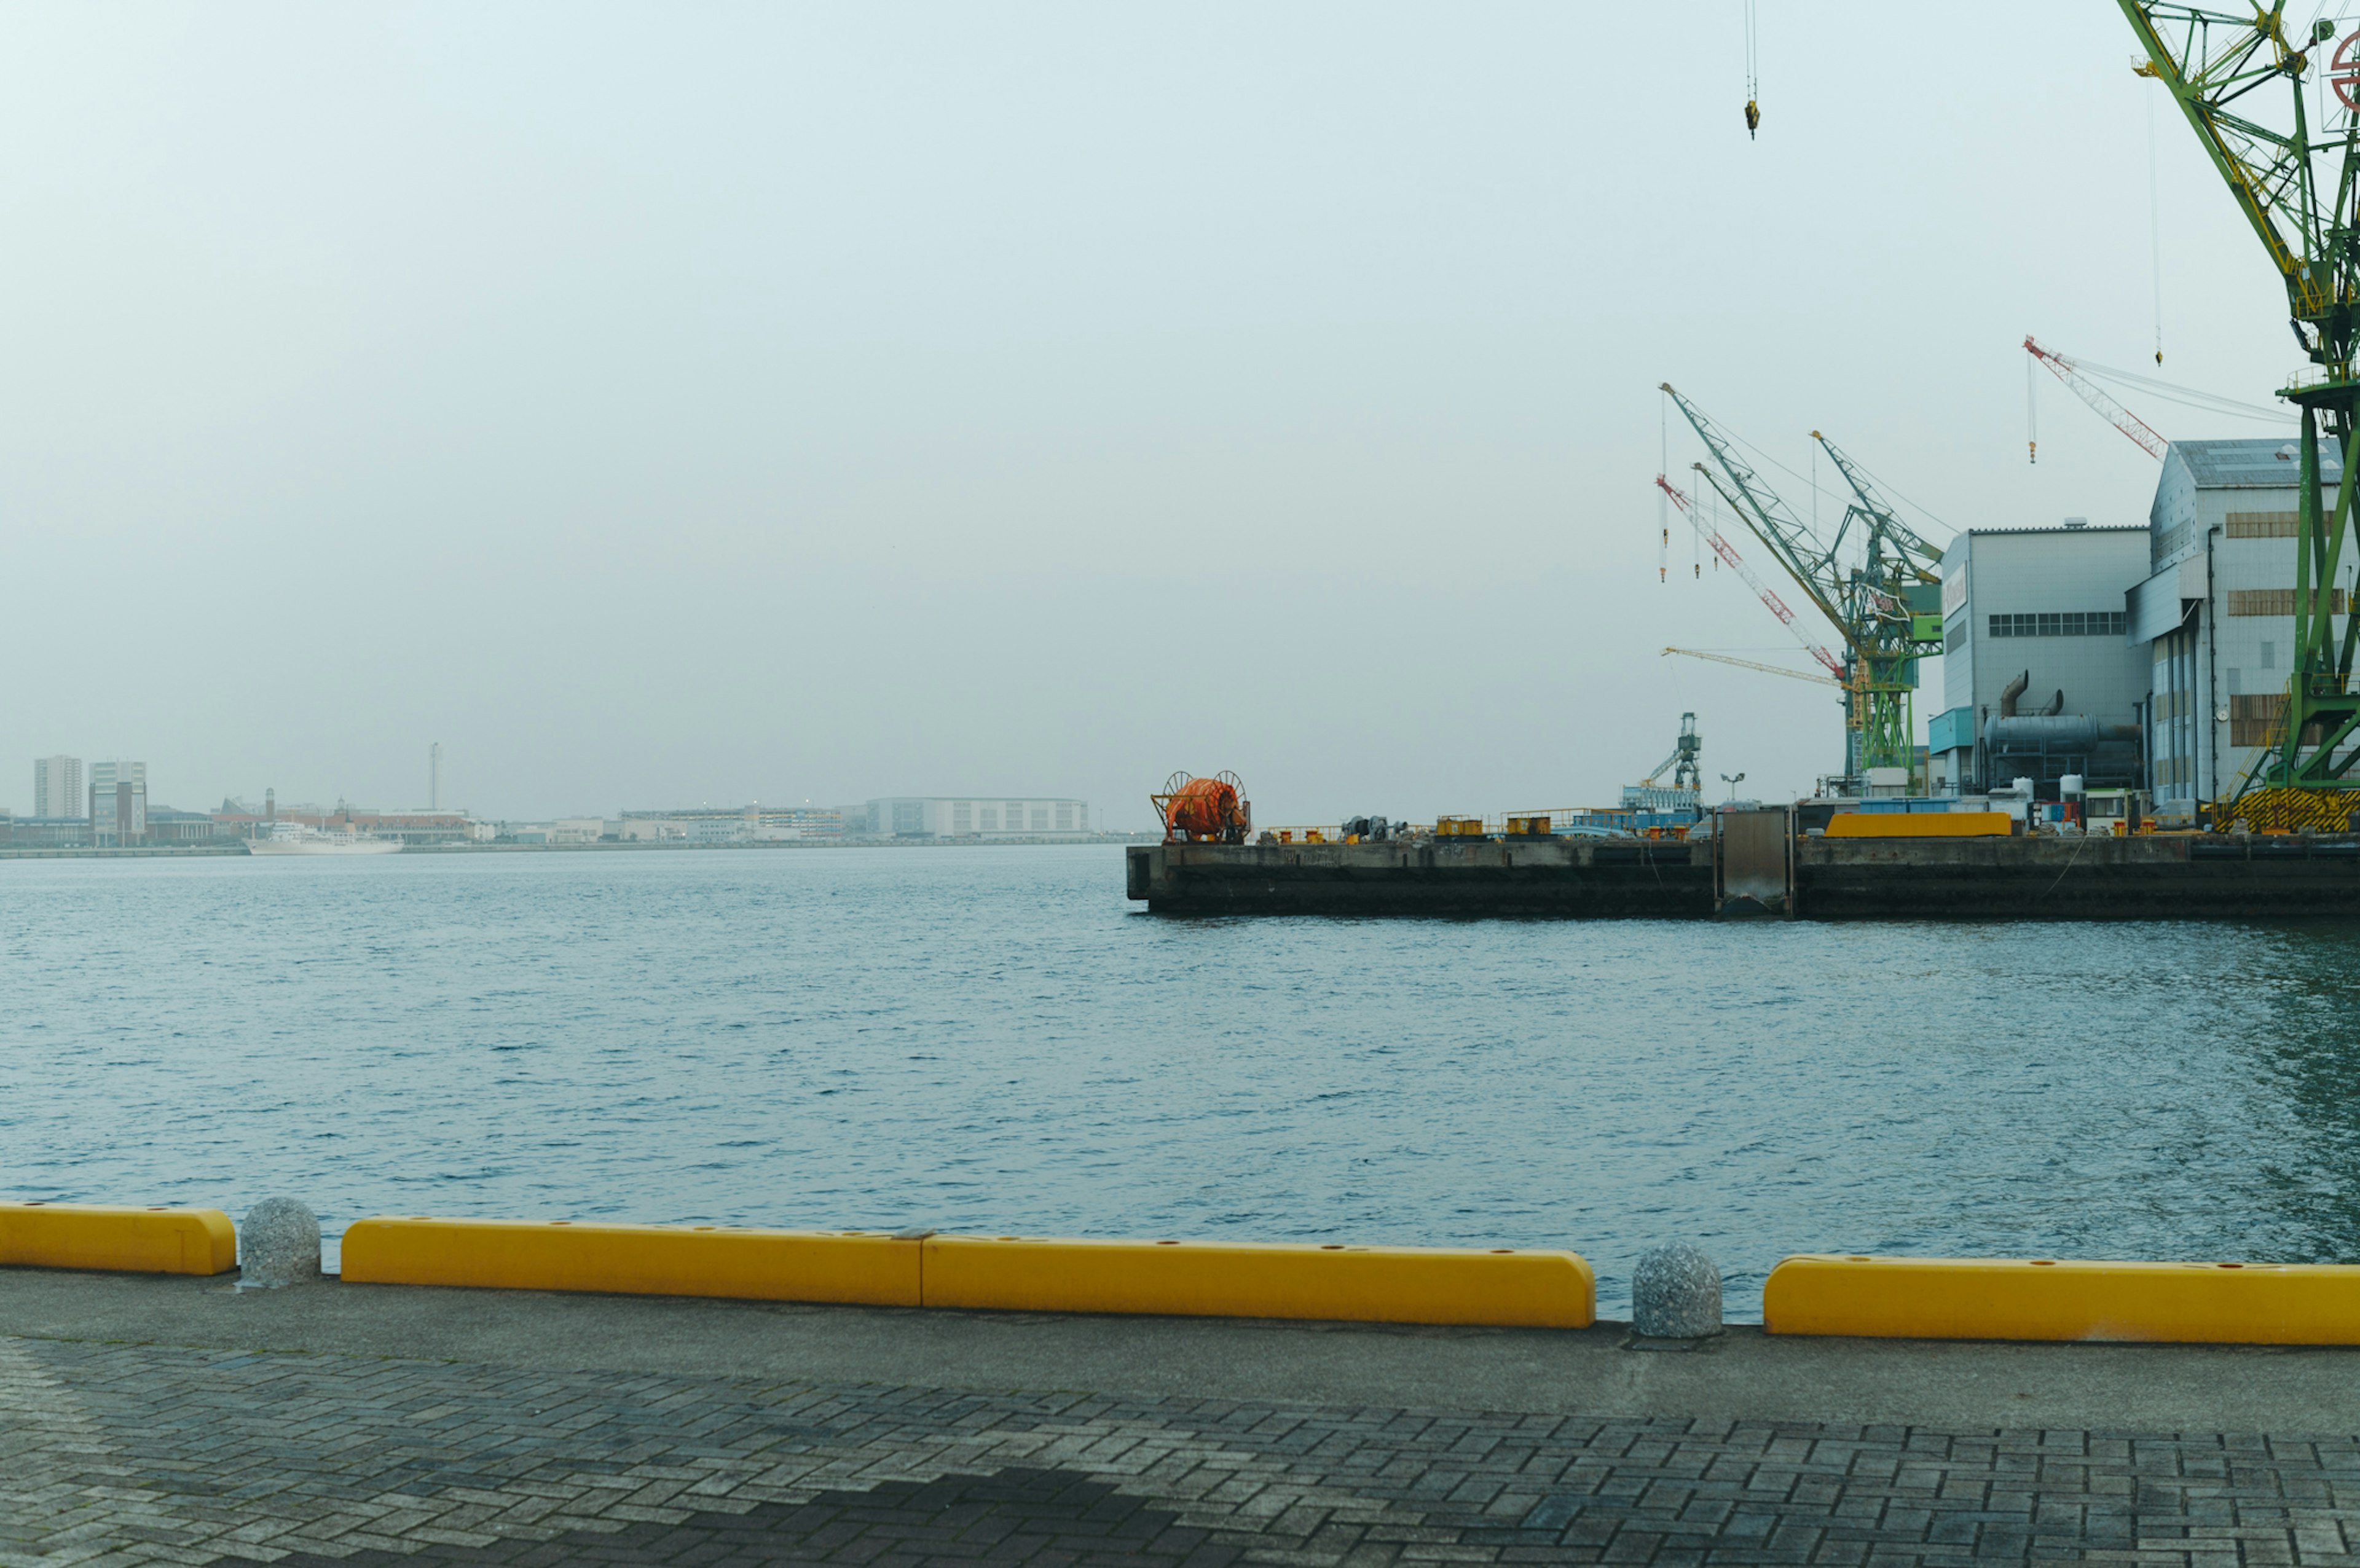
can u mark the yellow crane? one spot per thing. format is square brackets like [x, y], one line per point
[1812, 676]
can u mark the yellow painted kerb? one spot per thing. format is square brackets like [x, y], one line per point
[127, 1240]
[1918, 824]
[2038, 1298]
[1505, 1286]
[860, 1267]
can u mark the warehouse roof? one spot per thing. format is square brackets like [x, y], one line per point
[2267, 465]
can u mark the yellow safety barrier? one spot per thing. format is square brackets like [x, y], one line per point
[1918, 824]
[1503, 1286]
[862, 1266]
[2286, 809]
[129, 1240]
[2040, 1298]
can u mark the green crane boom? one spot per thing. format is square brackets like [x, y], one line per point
[1881, 603]
[2226, 72]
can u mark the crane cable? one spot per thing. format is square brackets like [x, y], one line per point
[2155, 226]
[1753, 75]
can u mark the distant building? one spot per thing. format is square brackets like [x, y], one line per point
[969, 816]
[577, 830]
[57, 787]
[729, 824]
[51, 833]
[166, 826]
[118, 804]
[237, 819]
[2039, 676]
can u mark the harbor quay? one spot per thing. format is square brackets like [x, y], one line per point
[2149, 877]
[162, 1418]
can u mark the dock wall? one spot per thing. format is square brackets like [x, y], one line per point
[2150, 876]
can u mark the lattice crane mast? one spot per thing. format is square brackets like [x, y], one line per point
[1762, 591]
[2239, 82]
[1753, 664]
[2114, 413]
[1872, 601]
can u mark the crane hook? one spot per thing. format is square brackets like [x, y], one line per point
[1753, 119]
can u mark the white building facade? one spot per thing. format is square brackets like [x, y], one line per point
[57, 787]
[2038, 679]
[2215, 615]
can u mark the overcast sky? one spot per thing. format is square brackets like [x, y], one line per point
[673, 404]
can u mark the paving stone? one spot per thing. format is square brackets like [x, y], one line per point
[126, 1454]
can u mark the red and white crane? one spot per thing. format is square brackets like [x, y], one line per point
[1762, 591]
[2114, 413]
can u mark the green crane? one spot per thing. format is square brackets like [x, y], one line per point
[1874, 579]
[2226, 72]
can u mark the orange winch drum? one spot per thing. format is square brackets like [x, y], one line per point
[1199, 810]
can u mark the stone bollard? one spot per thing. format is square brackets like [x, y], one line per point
[277, 1245]
[1675, 1293]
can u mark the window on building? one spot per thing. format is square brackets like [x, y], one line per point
[2269, 655]
[1064, 816]
[988, 819]
[2262, 525]
[963, 816]
[2066, 623]
[2274, 602]
[2236, 679]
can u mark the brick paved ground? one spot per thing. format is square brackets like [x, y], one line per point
[118, 1453]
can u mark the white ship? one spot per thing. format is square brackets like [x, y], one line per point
[295, 838]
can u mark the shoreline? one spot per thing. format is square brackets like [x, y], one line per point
[201, 851]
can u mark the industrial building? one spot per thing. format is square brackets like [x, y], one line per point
[2213, 616]
[967, 816]
[2038, 679]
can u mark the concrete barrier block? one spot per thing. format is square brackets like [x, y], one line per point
[125, 1239]
[2040, 1297]
[855, 1267]
[1505, 1286]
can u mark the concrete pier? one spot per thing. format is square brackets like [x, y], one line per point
[149, 1419]
[2151, 877]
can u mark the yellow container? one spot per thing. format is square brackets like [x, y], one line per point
[2037, 1298]
[1458, 827]
[1918, 824]
[128, 1240]
[861, 1266]
[1528, 827]
[1506, 1287]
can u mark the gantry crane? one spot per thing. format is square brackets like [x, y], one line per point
[1682, 764]
[2224, 69]
[1875, 579]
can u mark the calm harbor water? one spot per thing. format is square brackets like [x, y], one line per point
[993, 1039]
